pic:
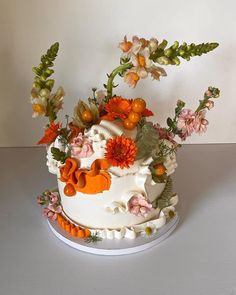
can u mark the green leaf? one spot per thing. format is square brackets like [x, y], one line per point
[163, 200]
[58, 155]
[146, 140]
[169, 122]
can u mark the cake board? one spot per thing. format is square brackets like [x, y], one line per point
[116, 247]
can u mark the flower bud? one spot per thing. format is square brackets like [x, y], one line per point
[153, 44]
[210, 104]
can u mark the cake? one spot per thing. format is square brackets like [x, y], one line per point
[113, 165]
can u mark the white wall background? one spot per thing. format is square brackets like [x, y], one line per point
[89, 31]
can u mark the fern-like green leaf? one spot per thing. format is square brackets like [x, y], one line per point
[164, 199]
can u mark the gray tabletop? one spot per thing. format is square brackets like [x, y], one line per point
[199, 258]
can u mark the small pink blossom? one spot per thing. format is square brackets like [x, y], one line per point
[201, 123]
[40, 200]
[54, 197]
[186, 123]
[164, 133]
[81, 147]
[55, 208]
[49, 214]
[139, 206]
[210, 104]
[208, 93]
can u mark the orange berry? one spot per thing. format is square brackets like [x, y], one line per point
[80, 233]
[134, 117]
[74, 232]
[68, 227]
[87, 116]
[160, 169]
[128, 124]
[69, 190]
[87, 232]
[138, 105]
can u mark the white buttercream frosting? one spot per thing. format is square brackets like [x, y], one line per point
[53, 164]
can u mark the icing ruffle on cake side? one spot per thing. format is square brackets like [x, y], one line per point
[146, 228]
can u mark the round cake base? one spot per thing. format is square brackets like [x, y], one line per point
[116, 247]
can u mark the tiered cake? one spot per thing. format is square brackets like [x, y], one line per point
[113, 165]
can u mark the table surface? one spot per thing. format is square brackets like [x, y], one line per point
[199, 258]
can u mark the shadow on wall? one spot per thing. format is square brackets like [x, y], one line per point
[203, 171]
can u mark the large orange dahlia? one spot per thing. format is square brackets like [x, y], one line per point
[118, 107]
[121, 151]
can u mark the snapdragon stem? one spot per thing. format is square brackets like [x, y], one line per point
[119, 70]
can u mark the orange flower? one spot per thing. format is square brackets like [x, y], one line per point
[50, 134]
[118, 107]
[121, 151]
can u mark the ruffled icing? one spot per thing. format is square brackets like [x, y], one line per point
[162, 217]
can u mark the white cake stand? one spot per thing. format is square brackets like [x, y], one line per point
[116, 247]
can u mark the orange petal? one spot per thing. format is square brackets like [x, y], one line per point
[100, 164]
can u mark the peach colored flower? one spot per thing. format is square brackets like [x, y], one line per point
[125, 45]
[139, 206]
[131, 78]
[121, 151]
[57, 99]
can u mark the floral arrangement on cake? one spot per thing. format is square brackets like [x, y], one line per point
[110, 134]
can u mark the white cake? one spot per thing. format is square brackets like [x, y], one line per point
[108, 212]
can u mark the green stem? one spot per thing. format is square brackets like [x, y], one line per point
[202, 104]
[119, 70]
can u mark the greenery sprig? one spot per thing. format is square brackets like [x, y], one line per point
[163, 56]
[44, 71]
[212, 92]
[94, 238]
[171, 55]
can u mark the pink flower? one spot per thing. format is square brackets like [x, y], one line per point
[40, 200]
[55, 208]
[54, 197]
[139, 206]
[208, 93]
[186, 123]
[201, 123]
[49, 214]
[81, 147]
[210, 104]
[164, 133]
